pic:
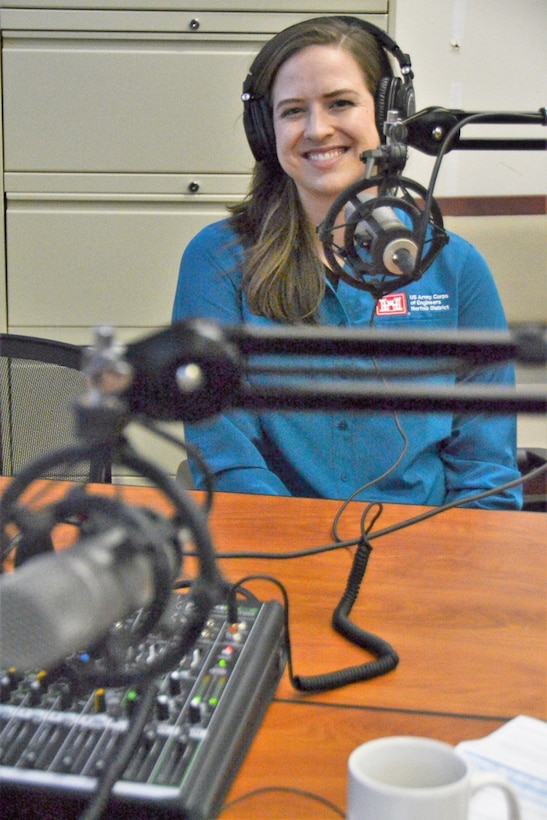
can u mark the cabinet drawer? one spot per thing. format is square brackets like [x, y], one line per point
[125, 107]
[114, 100]
[98, 263]
[315, 6]
[194, 20]
[25, 185]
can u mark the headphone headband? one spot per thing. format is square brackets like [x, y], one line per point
[394, 93]
[387, 43]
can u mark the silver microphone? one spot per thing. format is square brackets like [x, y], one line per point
[63, 602]
[382, 235]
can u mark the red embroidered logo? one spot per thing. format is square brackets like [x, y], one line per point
[392, 303]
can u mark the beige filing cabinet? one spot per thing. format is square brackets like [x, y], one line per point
[122, 136]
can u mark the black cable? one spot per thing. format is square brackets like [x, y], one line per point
[380, 372]
[449, 138]
[193, 452]
[460, 502]
[119, 761]
[284, 556]
[232, 615]
[386, 657]
[400, 525]
[283, 790]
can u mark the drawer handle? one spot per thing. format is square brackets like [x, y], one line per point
[194, 24]
[193, 187]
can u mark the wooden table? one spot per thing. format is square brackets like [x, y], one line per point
[460, 596]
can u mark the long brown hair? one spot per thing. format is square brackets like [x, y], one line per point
[284, 278]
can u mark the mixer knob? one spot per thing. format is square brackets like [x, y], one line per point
[99, 767]
[35, 692]
[65, 696]
[5, 688]
[30, 759]
[195, 710]
[15, 676]
[67, 763]
[149, 737]
[162, 707]
[99, 701]
[175, 682]
[130, 702]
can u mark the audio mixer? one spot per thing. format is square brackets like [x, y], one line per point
[56, 740]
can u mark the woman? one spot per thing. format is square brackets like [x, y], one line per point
[317, 85]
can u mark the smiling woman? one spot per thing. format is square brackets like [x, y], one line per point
[316, 97]
[323, 117]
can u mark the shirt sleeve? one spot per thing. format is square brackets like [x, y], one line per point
[208, 288]
[481, 452]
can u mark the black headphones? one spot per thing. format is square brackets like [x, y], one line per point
[393, 94]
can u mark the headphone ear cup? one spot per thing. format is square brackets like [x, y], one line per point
[387, 99]
[408, 100]
[259, 130]
[393, 95]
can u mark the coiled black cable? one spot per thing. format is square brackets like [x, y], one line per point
[386, 657]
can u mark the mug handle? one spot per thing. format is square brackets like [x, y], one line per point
[481, 781]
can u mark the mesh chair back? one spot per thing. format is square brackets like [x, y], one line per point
[40, 380]
[535, 490]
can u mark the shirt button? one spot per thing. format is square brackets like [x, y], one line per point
[344, 477]
[343, 425]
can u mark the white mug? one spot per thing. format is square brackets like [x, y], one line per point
[415, 778]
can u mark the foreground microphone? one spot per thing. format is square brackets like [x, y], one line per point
[63, 602]
[381, 234]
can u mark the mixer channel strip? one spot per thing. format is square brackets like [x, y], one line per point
[54, 742]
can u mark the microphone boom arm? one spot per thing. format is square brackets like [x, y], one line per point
[427, 130]
[227, 371]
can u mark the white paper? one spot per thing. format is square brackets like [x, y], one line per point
[518, 751]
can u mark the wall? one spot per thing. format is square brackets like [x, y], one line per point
[480, 55]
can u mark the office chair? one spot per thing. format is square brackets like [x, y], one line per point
[535, 491]
[40, 380]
